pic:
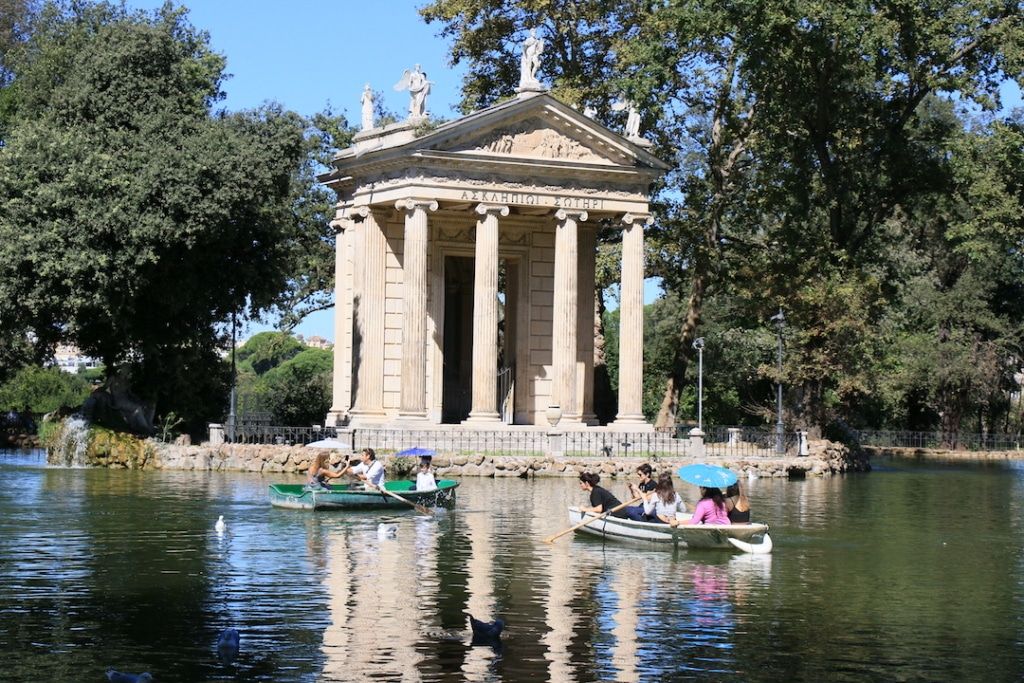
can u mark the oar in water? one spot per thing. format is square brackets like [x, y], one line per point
[551, 539]
[419, 508]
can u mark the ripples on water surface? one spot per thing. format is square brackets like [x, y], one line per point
[907, 573]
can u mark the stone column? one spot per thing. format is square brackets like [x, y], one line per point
[631, 324]
[369, 308]
[413, 403]
[585, 326]
[341, 400]
[485, 316]
[566, 319]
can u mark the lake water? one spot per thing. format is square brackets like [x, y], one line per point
[912, 572]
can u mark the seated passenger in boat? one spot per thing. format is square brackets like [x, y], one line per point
[644, 491]
[320, 472]
[370, 470]
[601, 499]
[425, 477]
[711, 508]
[665, 503]
[737, 504]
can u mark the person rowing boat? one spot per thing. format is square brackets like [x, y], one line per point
[601, 499]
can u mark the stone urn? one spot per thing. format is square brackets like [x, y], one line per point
[554, 414]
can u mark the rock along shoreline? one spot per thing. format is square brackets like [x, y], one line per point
[825, 459]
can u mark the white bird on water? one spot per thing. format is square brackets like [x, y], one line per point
[220, 526]
[387, 531]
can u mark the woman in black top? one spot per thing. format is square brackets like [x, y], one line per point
[601, 499]
[737, 504]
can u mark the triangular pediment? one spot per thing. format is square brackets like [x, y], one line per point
[533, 138]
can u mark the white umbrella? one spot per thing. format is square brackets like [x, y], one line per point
[335, 444]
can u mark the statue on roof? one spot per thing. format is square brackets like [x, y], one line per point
[632, 130]
[367, 101]
[416, 83]
[533, 47]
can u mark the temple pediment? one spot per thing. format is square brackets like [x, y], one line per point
[533, 138]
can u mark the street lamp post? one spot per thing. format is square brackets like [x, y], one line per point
[780, 443]
[698, 344]
[232, 414]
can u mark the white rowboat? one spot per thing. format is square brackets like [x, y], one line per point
[751, 538]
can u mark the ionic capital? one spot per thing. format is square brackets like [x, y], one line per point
[579, 216]
[413, 204]
[645, 219]
[346, 216]
[484, 209]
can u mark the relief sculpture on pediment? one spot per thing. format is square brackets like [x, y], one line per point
[530, 141]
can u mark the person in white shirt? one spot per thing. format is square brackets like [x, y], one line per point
[370, 470]
[665, 503]
[425, 477]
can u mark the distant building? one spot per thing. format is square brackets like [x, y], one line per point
[70, 359]
[315, 342]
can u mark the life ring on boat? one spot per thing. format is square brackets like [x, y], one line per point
[762, 548]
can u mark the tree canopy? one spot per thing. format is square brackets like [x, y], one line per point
[138, 218]
[825, 161]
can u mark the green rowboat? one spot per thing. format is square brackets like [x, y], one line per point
[354, 497]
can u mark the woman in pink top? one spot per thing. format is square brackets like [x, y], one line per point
[711, 508]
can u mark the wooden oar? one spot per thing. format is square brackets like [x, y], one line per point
[419, 508]
[551, 539]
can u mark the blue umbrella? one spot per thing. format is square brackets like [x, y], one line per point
[416, 453]
[710, 476]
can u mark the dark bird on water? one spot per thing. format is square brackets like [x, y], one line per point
[118, 677]
[486, 632]
[227, 645]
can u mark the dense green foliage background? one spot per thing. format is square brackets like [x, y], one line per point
[846, 161]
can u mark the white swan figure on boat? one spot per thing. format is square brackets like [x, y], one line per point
[762, 548]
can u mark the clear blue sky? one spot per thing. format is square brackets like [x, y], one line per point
[308, 55]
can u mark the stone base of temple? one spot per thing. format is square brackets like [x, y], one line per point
[630, 423]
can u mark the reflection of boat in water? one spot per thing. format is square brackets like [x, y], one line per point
[751, 538]
[354, 497]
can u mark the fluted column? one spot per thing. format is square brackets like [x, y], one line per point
[631, 323]
[340, 399]
[566, 319]
[372, 252]
[585, 326]
[485, 316]
[413, 403]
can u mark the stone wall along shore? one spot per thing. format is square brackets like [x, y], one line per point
[825, 458]
[942, 453]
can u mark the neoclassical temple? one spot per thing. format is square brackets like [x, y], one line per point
[465, 267]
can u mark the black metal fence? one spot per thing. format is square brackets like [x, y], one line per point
[259, 432]
[754, 442]
[939, 440]
[454, 441]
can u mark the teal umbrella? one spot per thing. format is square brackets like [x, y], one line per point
[708, 476]
[416, 452]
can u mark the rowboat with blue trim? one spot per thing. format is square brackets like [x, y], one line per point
[751, 538]
[355, 497]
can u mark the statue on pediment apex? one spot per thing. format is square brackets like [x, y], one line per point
[533, 48]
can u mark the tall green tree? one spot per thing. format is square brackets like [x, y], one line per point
[798, 135]
[137, 218]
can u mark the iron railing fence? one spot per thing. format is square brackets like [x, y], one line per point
[745, 441]
[626, 445]
[260, 433]
[458, 442]
[939, 440]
